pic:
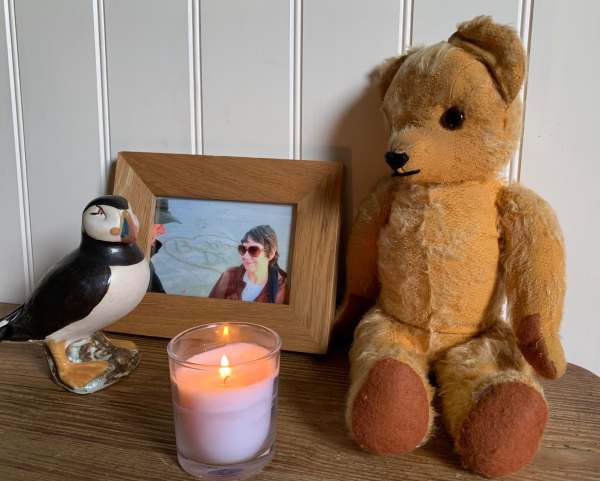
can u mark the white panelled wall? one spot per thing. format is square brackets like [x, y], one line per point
[82, 80]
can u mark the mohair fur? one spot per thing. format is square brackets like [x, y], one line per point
[438, 253]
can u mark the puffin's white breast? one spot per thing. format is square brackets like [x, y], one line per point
[127, 287]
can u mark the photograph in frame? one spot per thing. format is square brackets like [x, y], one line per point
[221, 249]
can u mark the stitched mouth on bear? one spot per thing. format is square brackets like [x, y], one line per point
[405, 174]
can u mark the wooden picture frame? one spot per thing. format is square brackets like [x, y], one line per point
[312, 187]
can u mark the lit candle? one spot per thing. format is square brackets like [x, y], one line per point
[223, 401]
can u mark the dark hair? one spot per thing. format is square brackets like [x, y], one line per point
[265, 235]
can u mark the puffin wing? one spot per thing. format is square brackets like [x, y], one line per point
[68, 293]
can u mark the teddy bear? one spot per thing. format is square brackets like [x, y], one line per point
[457, 277]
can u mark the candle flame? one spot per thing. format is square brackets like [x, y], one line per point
[224, 370]
[226, 331]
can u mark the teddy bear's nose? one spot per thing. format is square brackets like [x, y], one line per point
[396, 159]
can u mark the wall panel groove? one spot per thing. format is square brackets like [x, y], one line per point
[524, 22]
[296, 25]
[405, 25]
[102, 89]
[195, 68]
[19, 143]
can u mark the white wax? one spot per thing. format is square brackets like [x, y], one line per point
[224, 421]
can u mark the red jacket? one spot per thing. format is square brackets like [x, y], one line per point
[231, 284]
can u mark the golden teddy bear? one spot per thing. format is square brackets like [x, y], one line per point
[440, 245]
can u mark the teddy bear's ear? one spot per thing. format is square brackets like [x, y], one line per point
[499, 48]
[384, 73]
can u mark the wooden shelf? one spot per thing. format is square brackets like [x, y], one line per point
[126, 431]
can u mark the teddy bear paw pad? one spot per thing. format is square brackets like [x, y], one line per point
[390, 413]
[502, 432]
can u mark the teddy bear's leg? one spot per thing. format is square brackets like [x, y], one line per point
[492, 405]
[389, 403]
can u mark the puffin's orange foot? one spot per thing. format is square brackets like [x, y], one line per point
[78, 375]
[74, 375]
[390, 413]
[502, 432]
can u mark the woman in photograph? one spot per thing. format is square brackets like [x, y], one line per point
[259, 278]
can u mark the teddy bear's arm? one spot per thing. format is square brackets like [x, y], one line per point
[534, 264]
[362, 286]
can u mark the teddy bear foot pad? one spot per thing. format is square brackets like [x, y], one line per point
[390, 413]
[502, 432]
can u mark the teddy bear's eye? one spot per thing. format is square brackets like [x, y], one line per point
[452, 118]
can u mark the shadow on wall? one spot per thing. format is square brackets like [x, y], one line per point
[358, 140]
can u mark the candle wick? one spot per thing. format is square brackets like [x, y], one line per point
[225, 379]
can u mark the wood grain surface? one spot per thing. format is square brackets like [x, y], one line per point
[126, 431]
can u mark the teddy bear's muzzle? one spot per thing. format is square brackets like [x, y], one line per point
[397, 161]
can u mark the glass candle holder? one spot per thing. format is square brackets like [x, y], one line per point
[224, 379]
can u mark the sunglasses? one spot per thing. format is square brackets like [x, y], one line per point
[254, 251]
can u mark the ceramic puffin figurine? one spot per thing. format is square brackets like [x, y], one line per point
[101, 281]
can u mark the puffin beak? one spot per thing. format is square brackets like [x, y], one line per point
[129, 227]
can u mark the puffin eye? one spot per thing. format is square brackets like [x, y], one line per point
[100, 211]
[453, 118]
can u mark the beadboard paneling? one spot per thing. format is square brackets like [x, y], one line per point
[560, 155]
[434, 21]
[343, 42]
[12, 288]
[246, 77]
[60, 120]
[147, 60]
